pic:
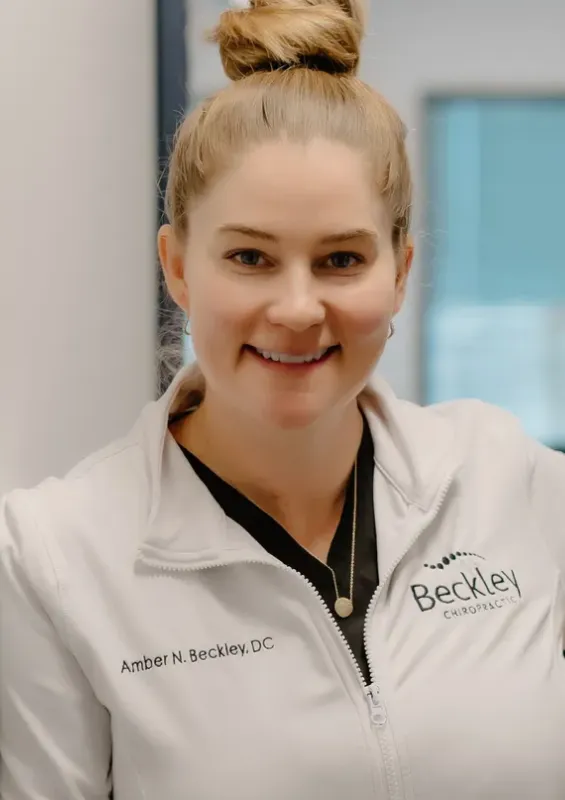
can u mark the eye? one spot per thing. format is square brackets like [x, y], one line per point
[247, 258]
[343, 260]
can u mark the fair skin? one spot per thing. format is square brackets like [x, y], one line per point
[288, 254]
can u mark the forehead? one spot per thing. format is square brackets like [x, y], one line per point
[290, 188]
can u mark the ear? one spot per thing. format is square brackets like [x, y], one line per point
[171, 256]
[404, 266]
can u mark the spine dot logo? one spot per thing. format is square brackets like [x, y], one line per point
[447, 561]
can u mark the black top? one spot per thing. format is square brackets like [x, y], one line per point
[280, 544]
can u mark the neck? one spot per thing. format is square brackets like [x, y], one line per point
[298, 477]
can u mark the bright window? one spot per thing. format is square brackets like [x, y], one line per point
[494, 317]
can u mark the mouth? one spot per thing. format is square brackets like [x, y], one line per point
[303, 361]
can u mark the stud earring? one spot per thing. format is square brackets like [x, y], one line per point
[391, 331]
[187, 328]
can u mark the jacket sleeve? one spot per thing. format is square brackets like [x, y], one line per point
[548, 498]
[54, 735]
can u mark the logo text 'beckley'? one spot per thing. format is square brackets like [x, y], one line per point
[469, 588]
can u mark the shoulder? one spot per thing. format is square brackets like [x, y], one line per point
[495, 446]
[92, 489]
[464, 430]
[466, 419]
[493, 442]
[99, 506]
[506, 449]
[547, 491]
[94, 518]
[477, 422]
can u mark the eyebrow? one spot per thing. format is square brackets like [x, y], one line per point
[342, 236]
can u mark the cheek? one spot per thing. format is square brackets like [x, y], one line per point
[369, 324]
[217, 319]
[367, 319]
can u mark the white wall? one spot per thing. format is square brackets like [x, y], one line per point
[77, 227]
[417, 46]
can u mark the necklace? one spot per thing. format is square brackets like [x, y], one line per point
[344, 605]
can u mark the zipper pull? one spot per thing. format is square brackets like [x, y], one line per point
[377, 710]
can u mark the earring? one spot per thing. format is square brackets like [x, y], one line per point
[391, 331]
[187, 328]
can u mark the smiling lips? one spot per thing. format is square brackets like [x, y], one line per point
[289, 359]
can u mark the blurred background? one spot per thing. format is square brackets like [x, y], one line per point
[90, 95]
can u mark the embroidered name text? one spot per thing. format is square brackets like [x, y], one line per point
[194, 656]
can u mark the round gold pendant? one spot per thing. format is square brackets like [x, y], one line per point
[343, 607]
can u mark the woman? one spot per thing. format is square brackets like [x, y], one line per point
[285, 582]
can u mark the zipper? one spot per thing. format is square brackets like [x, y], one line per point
[377, 709]
[372, 691]
[378, 714]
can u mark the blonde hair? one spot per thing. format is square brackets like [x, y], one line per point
[292, 66]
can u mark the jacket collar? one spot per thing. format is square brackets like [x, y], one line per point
[416, 451]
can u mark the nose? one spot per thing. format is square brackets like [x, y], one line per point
[297, 304]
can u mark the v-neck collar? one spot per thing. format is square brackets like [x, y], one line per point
[273, 538]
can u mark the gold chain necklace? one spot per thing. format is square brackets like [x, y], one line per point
[344, 605]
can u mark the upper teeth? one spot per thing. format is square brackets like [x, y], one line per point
[286, 358]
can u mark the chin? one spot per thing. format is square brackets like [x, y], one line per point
[294, 416]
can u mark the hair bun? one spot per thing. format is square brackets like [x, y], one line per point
[276, 34]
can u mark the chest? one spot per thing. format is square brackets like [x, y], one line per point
[235, 679]
[471, 630]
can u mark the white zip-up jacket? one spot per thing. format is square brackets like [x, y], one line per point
[146, 636]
